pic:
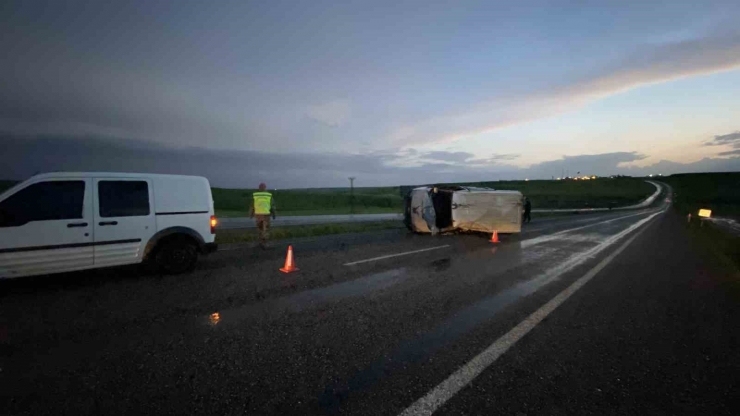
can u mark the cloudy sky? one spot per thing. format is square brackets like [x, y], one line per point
[308, 93]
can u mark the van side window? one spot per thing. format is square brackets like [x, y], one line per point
[43, 201]
[123, 198]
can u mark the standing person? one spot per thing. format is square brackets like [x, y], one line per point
[527, 210]
[262, 207]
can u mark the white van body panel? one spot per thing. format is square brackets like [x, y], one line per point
[184, 201]
[473, 209]
[121, 239]
[182, 194]
[487, 211]
[176, 203]
[419, 200]
[40, 247]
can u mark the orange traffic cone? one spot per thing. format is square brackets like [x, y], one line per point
[289, 263]
[494, 237]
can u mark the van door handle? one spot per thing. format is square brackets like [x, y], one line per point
[77, 224]
[108, 223]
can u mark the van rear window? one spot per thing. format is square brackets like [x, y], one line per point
[123, 198]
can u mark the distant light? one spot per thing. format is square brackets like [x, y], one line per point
[705, 213]
[593, 177]
[215, 318]
[651, 175]
[526, 180]
[558, 179]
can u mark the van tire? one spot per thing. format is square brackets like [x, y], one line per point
[175, 256]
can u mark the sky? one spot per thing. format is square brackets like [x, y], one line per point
[306, 94]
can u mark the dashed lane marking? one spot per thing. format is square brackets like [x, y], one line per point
[395, 255]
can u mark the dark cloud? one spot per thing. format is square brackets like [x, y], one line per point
[613, 164]
[495, 158]
[469, 158]
[731, 139]
[606, 163]
[24, 156]
[255, 75]
[508, 156]
[447, 156]
[667, 167]
[725, 139]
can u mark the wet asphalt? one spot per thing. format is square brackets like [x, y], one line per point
[655, 331]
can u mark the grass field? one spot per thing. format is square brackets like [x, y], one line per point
[317, 201]
[725, 246]
[719, 192]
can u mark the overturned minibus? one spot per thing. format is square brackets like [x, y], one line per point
[444, 208]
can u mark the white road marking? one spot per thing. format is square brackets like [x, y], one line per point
[553, 236]
[553, 220]
[467, 373]
[395, 255]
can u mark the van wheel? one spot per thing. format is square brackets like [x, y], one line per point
[176, 256]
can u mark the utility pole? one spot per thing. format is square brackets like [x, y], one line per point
[352, 195]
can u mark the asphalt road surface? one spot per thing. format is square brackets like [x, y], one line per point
[617, 313]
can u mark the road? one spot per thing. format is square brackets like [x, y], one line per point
[617, 313]
[246, 222]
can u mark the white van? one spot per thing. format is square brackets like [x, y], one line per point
[65, 221]
[443, 208]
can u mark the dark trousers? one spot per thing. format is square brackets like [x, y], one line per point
[263, 225]
[527, 216]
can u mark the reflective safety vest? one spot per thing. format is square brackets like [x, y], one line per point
[262, 203]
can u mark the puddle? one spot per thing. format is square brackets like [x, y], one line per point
[301, 301]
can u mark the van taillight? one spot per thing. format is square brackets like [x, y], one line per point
[214, 223]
